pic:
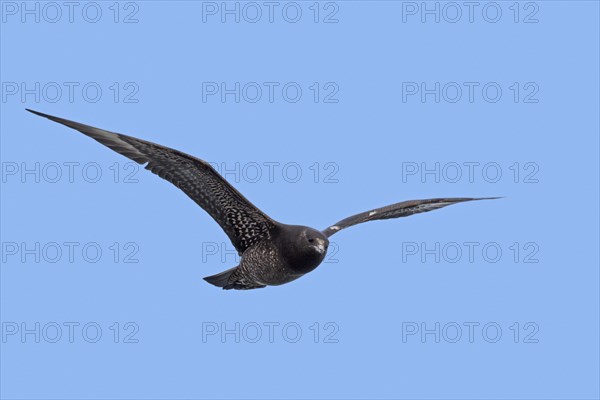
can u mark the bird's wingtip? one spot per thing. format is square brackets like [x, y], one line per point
[490, 198]
[55, 119]
[463, 199]
[37, 112]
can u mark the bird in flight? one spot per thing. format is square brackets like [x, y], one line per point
[272, 253]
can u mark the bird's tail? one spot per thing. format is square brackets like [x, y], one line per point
[226, 281]
[221, 279]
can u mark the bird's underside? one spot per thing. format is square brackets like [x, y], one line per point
[271, 253]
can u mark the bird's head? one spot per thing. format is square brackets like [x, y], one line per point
[314, 242]
[305, 248]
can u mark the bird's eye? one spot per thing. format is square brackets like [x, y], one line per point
[311, 240]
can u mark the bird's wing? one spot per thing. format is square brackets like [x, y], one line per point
[243, 222]
[403, 209]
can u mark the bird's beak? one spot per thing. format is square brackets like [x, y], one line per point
[321, 246]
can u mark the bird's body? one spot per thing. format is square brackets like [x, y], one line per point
[272, 253]
[291, 252]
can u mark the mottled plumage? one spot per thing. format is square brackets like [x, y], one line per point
[272, 253]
